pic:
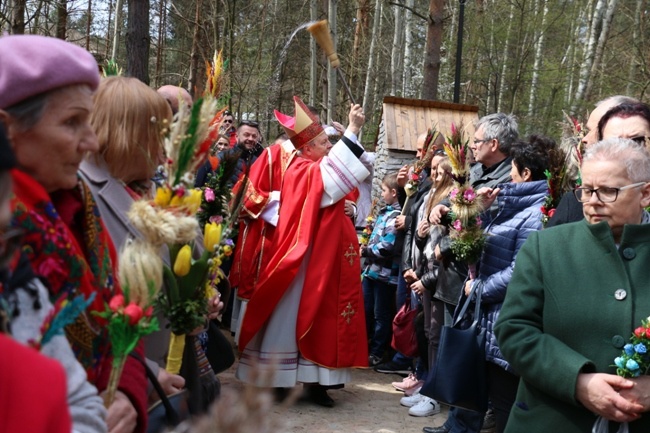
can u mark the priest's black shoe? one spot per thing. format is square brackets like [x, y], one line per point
[440, 429]
[318, 394]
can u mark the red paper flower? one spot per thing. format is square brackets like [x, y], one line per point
[116, 302]
[134, 312]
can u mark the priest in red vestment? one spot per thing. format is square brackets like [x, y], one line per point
[259, 218]
[305, 321]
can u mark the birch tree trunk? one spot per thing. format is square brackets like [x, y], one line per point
[600, 46]
[368, 100]
[397, 51]
[538, 57]
[331, 72]
[590, 51]
[138, 40]
[504, 60]
[634, 64]
[407, 90]
[431, 72]
[116, 28]
[313, 52]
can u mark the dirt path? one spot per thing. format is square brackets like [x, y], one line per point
[368, 404]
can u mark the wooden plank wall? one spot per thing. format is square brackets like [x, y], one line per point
[405, 119]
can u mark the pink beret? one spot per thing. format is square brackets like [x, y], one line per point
[31, 65]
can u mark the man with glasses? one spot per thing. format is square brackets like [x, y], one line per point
[494, 135]
[228, 127]
[305, 321]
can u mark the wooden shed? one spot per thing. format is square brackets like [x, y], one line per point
[403, 120]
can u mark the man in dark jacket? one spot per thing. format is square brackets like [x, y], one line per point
[494, 135]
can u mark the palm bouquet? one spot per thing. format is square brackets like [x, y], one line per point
[170, 220]
[415, 174]
[130, 314]
[466, 232]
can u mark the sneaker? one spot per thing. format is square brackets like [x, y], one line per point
[410, 401]
[415, 388]
[426, 407]
[374, 360]
[407, 383]
[489, 423]
[391, 367]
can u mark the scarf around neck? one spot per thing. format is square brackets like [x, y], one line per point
[70, 250]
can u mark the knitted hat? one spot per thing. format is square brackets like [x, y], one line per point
[31, 65]
[7, 159]
[303, 127]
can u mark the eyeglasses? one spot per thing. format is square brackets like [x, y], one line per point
[481, 141]
[227, 120]
[10, 241]
[439, 152]
[249, 123]
[604, 194]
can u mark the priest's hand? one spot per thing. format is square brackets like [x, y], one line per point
[357, 119]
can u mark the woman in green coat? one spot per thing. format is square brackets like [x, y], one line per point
[576, 294]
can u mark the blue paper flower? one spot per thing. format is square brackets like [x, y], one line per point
[631, 365]
[620, 362]
[629, 349]
[640, 348]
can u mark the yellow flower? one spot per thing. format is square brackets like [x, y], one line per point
[176, 201]
[163, 196]
[211, 236]
[183, 261]
[227, 250]
[193, 200]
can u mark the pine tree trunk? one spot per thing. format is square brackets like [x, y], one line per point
[138, 40]
[61, 18]
[18, 17]
[432, 48]
[193, 80]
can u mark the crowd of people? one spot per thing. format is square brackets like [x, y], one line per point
[305, 301]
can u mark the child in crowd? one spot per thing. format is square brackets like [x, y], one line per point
[380, 273]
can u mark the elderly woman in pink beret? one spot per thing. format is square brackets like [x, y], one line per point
[46, 89]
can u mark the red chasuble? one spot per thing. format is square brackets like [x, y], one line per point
[330, 328]
[252, 251]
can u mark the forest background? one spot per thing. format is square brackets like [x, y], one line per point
[533, 58]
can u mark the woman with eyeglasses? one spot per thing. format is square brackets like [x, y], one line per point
[46, 111]
[576, 294]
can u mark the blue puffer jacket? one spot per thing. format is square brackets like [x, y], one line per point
[518, 215]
